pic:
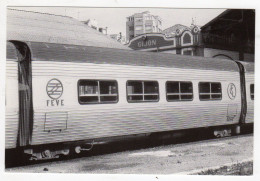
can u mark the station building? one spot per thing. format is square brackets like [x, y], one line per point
[230, 35]
[178, 39]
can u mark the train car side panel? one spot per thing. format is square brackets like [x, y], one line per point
[80, 122]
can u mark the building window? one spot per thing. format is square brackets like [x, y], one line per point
[210, 91]
[187, 52]
[186, 38]
[130, 19]
[147, 18]
[142, 91]
[138, 19]
[97, 91]
[131, 28]
[178, 51]
[147, 27]
[252, 91]
[139, 28]
[179, 91]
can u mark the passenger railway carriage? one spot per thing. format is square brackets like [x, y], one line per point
[61, 96]
[60, 93]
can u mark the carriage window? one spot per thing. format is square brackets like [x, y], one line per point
[97, 91]
[210, 91]
[252, 91]
[142, 91]
[179, 91]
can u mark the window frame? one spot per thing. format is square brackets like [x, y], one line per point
[186, 51]
[150, 27]
[136, 28]
[143, 94]
[251, 92]
[138, 19]
[210, 93]
[99, 95]
[179, 100]
[187, 35]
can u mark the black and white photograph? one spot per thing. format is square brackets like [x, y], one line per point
[129, 89]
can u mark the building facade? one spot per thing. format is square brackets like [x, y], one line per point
[231, 35]
[141, 23]
[178, 39]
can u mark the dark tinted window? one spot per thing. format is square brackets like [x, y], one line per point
[252, 91]
[97, 91]
[141, 91]
[210, 91]
[187, 38]
[179, 91]
[187, 52]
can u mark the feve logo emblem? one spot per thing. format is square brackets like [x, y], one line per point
[231, 91]
[54, 89]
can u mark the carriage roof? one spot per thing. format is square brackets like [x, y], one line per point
[101, 55]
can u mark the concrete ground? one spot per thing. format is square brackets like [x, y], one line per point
[186, 158]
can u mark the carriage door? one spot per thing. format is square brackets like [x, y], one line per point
[243, 93]
[25, 94]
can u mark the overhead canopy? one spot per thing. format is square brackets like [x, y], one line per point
[42, 27]
[231, 17]
[87, 54]
[234, 30]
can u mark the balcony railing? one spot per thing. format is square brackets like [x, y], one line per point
[226, 42]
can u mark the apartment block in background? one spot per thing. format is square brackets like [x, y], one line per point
[141, 23]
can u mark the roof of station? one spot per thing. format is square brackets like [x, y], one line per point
[50, 28]
[173, 29]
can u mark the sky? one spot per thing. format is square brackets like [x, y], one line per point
[115, 18]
